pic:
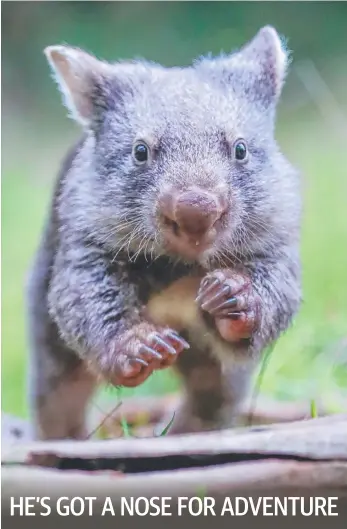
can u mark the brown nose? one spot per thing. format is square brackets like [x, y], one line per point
[192, 213]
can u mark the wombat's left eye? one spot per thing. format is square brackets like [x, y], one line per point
[240, 151]
[141, 152]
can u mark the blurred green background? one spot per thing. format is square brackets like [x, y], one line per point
[310, 360]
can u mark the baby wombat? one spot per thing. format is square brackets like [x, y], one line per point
[172, 238]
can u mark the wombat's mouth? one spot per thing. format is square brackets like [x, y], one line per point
[190, 246]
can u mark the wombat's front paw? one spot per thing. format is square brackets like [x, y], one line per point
[141, 350]
[228, 296]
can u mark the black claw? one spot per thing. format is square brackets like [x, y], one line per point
[223, 292]
[149, 350]
[204, 283]
[204, 291]
[140, 361]
[229, 303]
[165, 345]
[174, 336]
[234, 315]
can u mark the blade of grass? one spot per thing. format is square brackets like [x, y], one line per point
[313, 409]
[125, 427]
[259, 381]
[167, 427]
[123, 421]
[201, 492]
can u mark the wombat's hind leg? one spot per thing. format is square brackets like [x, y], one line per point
[205, 395]
[59, 393]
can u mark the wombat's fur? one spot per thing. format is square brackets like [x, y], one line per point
[114, 266]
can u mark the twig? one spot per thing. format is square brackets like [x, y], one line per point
[107, 416]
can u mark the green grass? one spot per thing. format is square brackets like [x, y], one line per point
[309, 361]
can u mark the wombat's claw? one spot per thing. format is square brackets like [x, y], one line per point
[207, 286]
[228, 297]
[161, 348]
[146, 349]
[234, 315]
[168, 344]
[219, 301]
[177, 338]
[164, 345]
[221, 295]
[140, 361]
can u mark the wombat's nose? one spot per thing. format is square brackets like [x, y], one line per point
[192, 213]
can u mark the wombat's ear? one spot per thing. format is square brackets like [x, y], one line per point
[80, 77]
[256, 71]
[267, 54]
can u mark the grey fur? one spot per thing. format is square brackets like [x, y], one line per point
[87, 288]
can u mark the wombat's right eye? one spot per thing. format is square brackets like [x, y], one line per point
[240, 151]
[141, 152]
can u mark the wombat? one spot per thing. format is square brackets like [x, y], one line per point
[172, 237]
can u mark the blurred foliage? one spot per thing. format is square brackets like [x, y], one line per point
[168, 32]
[310, 360]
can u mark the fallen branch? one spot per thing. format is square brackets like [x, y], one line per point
[306, 455]
[265, 477]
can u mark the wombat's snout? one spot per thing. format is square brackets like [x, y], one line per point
[190, 218]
